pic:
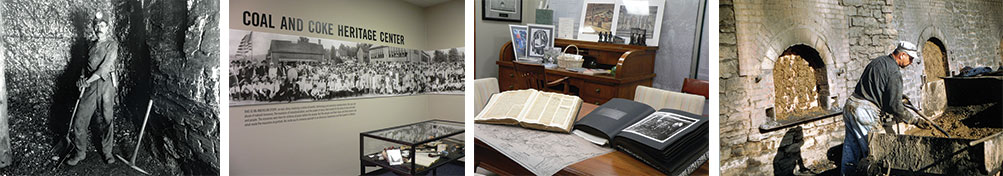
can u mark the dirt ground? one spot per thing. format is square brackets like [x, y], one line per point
[933, 62]
[968, 122]
[32, 146]
[796, 87]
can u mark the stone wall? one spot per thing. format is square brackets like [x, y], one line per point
[847, 34]
[184, 45]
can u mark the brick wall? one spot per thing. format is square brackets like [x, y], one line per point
[847, 34]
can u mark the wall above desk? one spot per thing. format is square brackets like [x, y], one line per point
[634, 66]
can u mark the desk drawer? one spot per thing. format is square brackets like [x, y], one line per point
[506, 79]
[596, 91]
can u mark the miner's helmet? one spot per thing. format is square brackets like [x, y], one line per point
[100, 18]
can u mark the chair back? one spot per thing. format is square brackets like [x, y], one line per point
[531, 74]
[658, 99]
[483, 89]
[696, 86]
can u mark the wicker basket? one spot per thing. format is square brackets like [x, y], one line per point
[570, 61]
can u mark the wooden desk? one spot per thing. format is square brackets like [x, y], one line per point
[635, 66]
[613, 163]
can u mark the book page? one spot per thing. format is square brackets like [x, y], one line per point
[507, 104]
[564, 112]
[552, 110]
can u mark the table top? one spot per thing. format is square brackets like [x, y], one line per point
[613, 163]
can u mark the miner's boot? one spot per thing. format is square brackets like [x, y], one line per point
[80, 156]
[109, 159]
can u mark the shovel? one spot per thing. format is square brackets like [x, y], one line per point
[921, 116]
[67, 141]
[132, 163]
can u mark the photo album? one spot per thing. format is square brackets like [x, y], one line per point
[669, 140]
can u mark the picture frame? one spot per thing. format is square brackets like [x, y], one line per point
[597, 16]
[639, 15]
[541, 38]
[501, 10]
[520, 40]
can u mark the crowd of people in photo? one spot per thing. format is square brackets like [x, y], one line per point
[264, 81]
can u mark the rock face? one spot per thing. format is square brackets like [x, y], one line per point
[168, 53]
[5, 150]
[847, 34]
[185, 77]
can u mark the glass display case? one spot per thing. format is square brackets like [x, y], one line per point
[412, 149]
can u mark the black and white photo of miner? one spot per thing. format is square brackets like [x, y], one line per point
[286, 68]
[109, 87]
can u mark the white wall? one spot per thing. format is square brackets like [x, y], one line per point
[444, 25]
[330, 146]
[490, 35]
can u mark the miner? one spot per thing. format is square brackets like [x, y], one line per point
[877, 95]
[98, 97]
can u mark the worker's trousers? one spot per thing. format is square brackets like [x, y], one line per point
[860, 116]
[99, 96]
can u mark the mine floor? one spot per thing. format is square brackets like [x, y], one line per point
[32, 143]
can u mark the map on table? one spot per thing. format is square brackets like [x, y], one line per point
[540, 152]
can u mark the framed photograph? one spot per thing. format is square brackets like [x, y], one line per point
[541, 38]
[597, 16]
[634, 17]
[520, 40]
[502, 10]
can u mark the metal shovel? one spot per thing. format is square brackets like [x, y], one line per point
[921, 116]
[132, 163]
[67, 140]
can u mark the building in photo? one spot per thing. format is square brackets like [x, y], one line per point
[299, 51]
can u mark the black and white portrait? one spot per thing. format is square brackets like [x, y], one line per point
[541, 38]
[661, 126]
[110, 87]
[267, 68]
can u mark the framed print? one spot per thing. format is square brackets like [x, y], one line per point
[597, 16]
[502, 10]
[636, 16]
[541, 38]
[520, 40]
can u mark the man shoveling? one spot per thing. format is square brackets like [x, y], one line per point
[878, 92]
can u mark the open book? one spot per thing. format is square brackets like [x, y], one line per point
[668, 140]
[531, 109]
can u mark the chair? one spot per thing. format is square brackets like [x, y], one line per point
[535, 77]
[483, 89]
[658, 99]
[696, 86]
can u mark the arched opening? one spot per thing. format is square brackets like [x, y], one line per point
[934, 60]
[800, 84]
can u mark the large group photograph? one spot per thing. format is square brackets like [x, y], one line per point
[267, 68]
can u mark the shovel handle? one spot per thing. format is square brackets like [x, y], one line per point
[921, 116]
